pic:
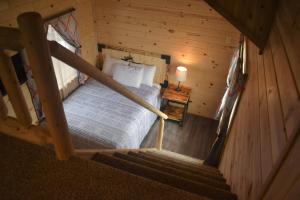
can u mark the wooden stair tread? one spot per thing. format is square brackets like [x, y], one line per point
[175, 171]
[177, 156]
[172, 180]
[214, 175]
[174, 157]
[47, 178]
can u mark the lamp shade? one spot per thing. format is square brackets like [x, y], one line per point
[181, 73]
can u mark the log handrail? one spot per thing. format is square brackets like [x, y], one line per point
[71, 59]
[3, 108]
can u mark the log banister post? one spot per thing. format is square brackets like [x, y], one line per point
[34, 39]
[160, 136]
[3, 108]
[12, 86]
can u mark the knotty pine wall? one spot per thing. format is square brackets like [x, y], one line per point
[10, 9]
[190, 31]
[268, 114]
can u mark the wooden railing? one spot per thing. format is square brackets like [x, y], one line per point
[32, 37]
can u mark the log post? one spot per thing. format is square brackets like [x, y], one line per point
[11, 83]
[34, 39]
[3, 108]
[160, 135]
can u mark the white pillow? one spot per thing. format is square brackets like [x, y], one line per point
[128, 75]
[110, 63]
[158, 86]
[149, 73]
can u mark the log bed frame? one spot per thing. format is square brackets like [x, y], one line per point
[31, 36]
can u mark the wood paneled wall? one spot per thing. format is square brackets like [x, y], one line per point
[268, 113]
[190, 31]
[10, 9]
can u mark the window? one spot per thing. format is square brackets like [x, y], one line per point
[66, 76]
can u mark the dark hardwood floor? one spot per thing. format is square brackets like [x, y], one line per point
[193, 139]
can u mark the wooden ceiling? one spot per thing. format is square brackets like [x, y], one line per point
[254, 18]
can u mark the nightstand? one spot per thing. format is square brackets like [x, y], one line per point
[175, 103]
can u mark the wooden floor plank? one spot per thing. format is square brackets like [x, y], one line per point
[193, 139]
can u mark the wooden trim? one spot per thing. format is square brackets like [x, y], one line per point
[32, 134]
[3, 108]
[71, 59]
[89, 153]
[165, 57]
[244, 58]
[59, 14]
[93, 151]
[36, 45]
[10, 38]
[160, 135]
[12, 86]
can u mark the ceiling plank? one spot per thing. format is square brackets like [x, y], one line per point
[254, 18]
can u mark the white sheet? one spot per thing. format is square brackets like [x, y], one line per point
[101, 118]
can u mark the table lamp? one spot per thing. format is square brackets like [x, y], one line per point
[180, 76]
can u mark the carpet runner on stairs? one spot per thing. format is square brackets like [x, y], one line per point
[30, 171]
[198, 179]
[177, 165]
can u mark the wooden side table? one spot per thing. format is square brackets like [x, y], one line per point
[175, 103]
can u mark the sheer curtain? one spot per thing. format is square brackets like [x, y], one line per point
[66, 76]
[235, 83]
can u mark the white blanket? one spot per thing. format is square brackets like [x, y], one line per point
[98, 117]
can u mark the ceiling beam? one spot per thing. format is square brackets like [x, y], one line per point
[254, 18]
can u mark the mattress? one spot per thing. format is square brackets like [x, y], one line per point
[99, 117]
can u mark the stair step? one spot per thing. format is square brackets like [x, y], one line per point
[170, 170]
[175, 159]
[172, 180]
[216, 176]
[183, 158]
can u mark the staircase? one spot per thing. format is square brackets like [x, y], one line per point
[171, 169]
[30, 171]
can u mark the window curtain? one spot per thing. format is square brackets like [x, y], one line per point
[66, 76]
[32, 87]
[235, 84]
[67, 27]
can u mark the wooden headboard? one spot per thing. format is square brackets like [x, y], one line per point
[160, 61]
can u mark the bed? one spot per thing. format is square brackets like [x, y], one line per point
[99, 117]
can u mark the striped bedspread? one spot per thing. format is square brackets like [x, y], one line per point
[98, 117]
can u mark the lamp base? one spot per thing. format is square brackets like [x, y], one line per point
[178, 89]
